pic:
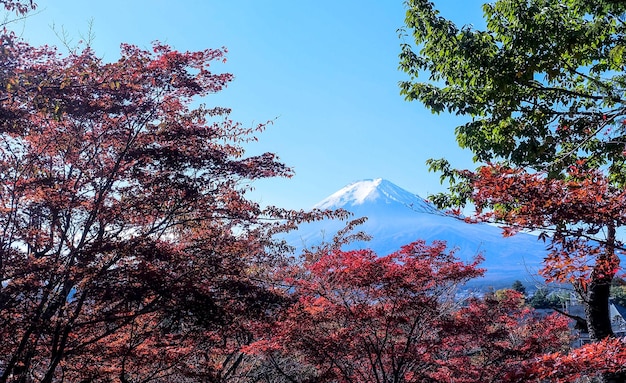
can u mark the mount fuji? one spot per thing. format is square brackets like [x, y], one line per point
[397, 217]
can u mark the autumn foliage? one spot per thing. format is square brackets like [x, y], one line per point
[359, 317]
[569, 211]
[128, 250]
[577, 214]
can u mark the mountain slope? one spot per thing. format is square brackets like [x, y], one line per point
[397, 217]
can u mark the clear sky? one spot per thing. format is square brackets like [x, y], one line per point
[326, 71]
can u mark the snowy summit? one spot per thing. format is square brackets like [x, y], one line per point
[375, 191]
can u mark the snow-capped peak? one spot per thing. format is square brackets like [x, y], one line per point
[354, 194]
[375, 191]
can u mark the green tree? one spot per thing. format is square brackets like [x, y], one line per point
[540, 300]
[618, 291]
[544, 83]
[519, 287]
[543, 87]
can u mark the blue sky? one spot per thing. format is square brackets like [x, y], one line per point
[325, 70]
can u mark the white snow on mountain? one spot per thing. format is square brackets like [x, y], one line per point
[376, 191]
[354, 194]
[397, 217]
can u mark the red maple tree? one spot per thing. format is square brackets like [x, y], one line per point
[129, 251]
[577, 214]
[359, 317]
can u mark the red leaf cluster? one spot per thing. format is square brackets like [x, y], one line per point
[21, 7]
[592, 360]
[573, 208]
[129, 250]
[363, 318]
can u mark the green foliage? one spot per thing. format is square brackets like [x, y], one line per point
[539, 300]
[618, 292]
[544, 299]
[519, 287]
[460, 189]
[543, 83]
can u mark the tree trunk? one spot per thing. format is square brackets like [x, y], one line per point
[597, 309]
[597, 299]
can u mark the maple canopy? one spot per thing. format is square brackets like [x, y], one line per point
[128, 250]
[359, 317]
